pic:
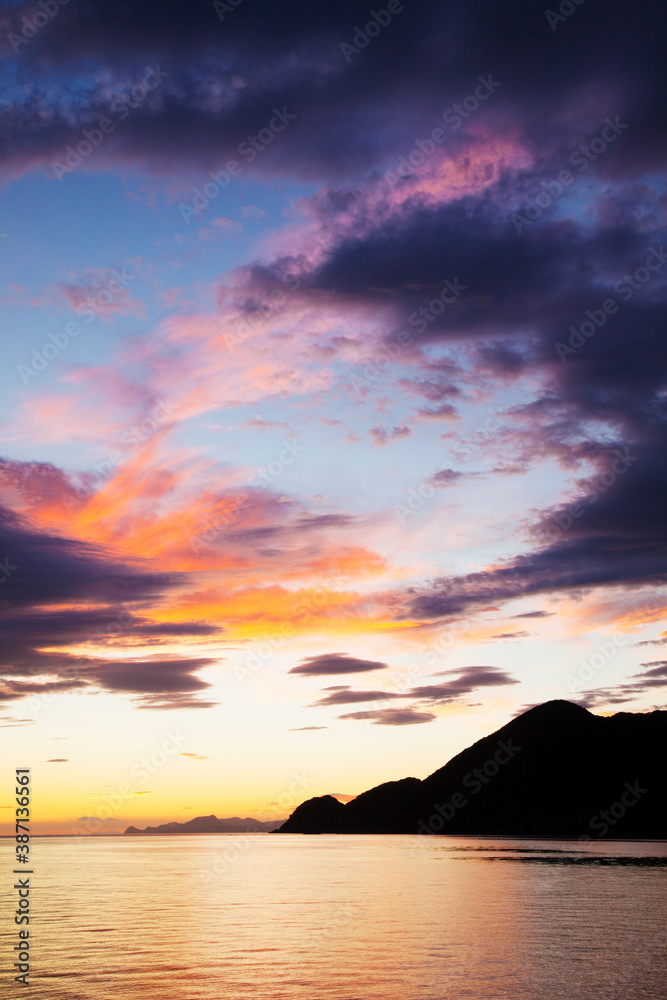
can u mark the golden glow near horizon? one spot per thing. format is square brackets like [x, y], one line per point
[260, 751]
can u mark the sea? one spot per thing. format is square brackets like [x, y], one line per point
[281, 917]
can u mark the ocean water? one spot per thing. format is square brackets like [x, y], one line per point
[340, 917]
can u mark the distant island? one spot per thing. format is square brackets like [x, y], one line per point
[554, 771]
[209, 824]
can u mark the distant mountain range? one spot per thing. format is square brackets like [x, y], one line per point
[556, 770]
[209, 824]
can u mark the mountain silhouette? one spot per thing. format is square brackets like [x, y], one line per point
[209, 824]
[556, 770]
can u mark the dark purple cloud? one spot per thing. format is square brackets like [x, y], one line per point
[352, 113]
[346, 696]
[157, 676]
[392, 716]
[637, 685]
[335, 663]
[50, 569]
[467, 680]
[47, 570]
[157, 683]
[524, 290]
[446, 477]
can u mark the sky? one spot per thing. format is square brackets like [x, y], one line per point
[333, 391]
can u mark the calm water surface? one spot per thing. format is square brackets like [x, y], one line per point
[347, 918]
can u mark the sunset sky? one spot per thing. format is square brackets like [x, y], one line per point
[333, 387]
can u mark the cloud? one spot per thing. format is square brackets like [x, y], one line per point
[335, 663]
[304, 729]
[174, 701]
[446, 477]
[464, 681]
[252, 212]
[57, 760]
[156, 676]
[443, 412]
[51, 569]
[616, 543]
[96, 295]
[219, 227]
[11, 723]
[383, 435]
[370, 258]
[194, 756]
[468, 679]
[106, 819]
[346, 696]
[258, 422]
[509, 635]
[376, 104]
[638, 684]
[392, 717]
